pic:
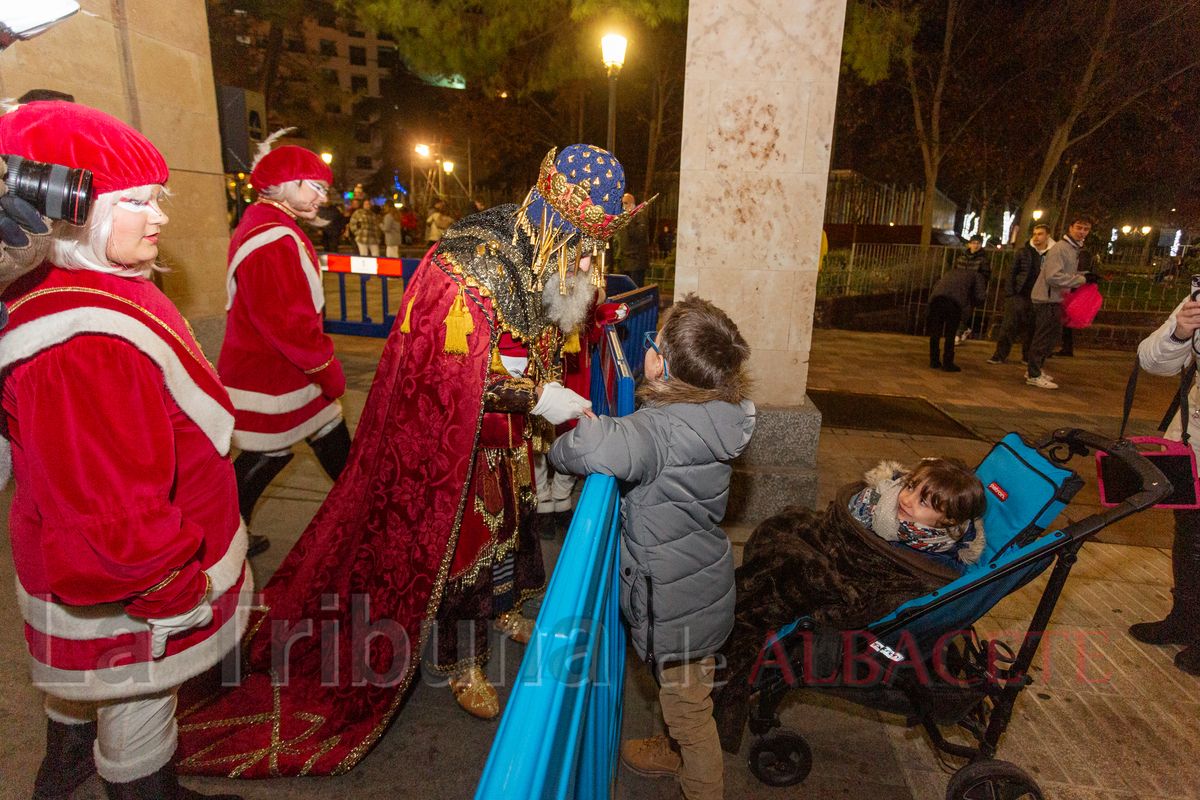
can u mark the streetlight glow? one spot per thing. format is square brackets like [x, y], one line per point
[1126, 228]
[1145, 230]
[613, 48]
[448, 166]
[1037, 214]
[423, 150]
[327, 158]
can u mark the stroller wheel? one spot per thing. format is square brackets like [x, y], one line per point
[781, 758]
[992, 780]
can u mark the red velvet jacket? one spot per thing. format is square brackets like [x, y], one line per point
[126, 504]
[276, 361]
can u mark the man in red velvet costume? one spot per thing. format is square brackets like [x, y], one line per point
[276, 360]
[425, 539]
[130, 559]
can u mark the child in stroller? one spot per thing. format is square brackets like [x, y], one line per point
[824, 603]
[935, 508]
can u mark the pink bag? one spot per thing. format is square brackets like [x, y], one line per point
[1080, 306]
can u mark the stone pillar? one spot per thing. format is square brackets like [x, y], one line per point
[147, 63]
[759, 98]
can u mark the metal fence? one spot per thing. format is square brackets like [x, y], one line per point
[905, 273]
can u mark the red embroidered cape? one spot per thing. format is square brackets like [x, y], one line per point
[377, 554]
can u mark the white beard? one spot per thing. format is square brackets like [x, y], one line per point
[567, 310]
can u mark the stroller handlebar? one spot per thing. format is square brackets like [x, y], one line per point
[1155, 485]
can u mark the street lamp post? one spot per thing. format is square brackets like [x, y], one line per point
[613, 49]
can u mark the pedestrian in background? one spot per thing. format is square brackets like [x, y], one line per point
[973, 258]
[1060, 271]
[389, 226]
[1018, 308]
[364, 226]
[437, 222]
[634, 257]
[331, 234]
[957, 291]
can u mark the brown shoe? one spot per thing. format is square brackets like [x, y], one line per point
[475, 694]
[515, 626]
[657, 756]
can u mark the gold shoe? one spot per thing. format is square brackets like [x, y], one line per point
[475, 694]
[515, 626]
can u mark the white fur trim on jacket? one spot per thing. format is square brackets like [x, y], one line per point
[274, 234]
[26, 341]
[268, 442]
[262, 403]
[97, 621]
[103, 620]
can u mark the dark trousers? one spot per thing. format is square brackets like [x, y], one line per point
[942, 323]
[1018, 326]
[1047, 333]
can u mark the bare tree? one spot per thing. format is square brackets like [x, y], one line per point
[1100, 62]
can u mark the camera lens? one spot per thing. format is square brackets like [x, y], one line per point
[58, 192]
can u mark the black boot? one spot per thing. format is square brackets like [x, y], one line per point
[333, 449]
[68, 762]
[1182, 624]
[162, 785]
[254, 472]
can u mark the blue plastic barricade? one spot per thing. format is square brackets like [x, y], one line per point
[559, 734]
[367, 269]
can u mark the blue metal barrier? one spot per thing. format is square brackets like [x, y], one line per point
[366, 269]
[643, 316]
[561, 728]
[559, 734]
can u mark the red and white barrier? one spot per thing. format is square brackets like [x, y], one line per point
[362, 265]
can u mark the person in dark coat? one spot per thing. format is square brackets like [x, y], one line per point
[635, 246]
[959, 289]
[331, 234]
[1018, 308]
[973, 258]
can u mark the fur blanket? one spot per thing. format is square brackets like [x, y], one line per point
[825, 566]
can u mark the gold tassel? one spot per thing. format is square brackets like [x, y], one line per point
[458, 325]
[571, 345]
[405, 327]
[497, 367]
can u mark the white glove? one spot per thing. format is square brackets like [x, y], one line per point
[163, 627]
[558, 404]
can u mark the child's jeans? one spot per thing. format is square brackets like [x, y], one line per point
[685, 694]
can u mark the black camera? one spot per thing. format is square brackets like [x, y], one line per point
[56, 191]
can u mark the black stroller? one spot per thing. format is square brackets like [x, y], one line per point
[924, 661]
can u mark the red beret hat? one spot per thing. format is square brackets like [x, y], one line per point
[289, 163]
[83, 138]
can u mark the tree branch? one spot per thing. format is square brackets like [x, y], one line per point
[1129, 101]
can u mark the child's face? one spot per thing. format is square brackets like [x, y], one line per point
[911, 508]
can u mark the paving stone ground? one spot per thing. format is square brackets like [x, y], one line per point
[1106, 718]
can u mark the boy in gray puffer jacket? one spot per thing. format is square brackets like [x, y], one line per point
[676, 564]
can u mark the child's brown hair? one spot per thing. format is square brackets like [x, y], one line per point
[705, 354]
[950, 488]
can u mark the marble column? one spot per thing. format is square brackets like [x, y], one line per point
[759, 99]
